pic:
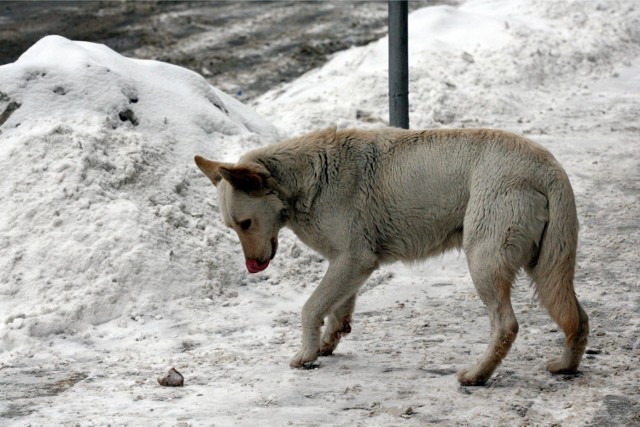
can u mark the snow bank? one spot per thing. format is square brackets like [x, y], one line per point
[467, 65]
[96, 154]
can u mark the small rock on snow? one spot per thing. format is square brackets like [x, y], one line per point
[172, 379]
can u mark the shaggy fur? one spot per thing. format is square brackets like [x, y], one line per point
[366, 197]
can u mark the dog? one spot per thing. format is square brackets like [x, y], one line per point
[362, 198]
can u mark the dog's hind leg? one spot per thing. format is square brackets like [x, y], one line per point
[338, 324]
[494, 288]
[342, 280]
[500, 234]
[553, 273]
[555, 290]
[576, 337]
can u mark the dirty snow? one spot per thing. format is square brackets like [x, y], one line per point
[115, 266]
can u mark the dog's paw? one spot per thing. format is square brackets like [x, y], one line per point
[327, 348]
[304, 359]
[469, 377]
[561, 367]
[332, 336]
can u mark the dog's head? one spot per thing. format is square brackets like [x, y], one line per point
[250, 205]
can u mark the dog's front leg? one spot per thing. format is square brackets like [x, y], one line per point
[344, 277]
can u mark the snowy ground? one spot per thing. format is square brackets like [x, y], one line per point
[115, 266]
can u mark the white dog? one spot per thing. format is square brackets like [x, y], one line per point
[366, 197]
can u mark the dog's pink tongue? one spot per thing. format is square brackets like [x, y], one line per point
[254, 266]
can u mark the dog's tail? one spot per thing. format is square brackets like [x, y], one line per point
[554, 270]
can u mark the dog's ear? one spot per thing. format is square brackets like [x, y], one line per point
[249, 177]
[210, 168]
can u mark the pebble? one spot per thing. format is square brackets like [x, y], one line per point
[172, 379]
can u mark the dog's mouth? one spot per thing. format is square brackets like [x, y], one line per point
[255, 266]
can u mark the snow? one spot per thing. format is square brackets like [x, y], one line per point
[98, 162]
[115, 265]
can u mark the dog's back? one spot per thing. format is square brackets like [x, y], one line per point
[406, 192]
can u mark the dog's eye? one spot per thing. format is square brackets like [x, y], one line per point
[245, 224]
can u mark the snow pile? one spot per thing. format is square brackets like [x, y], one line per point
[97, 218]
[469, 64]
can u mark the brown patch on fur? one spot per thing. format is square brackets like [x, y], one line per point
[328, 347]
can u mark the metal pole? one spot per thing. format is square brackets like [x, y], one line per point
[398, 64]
